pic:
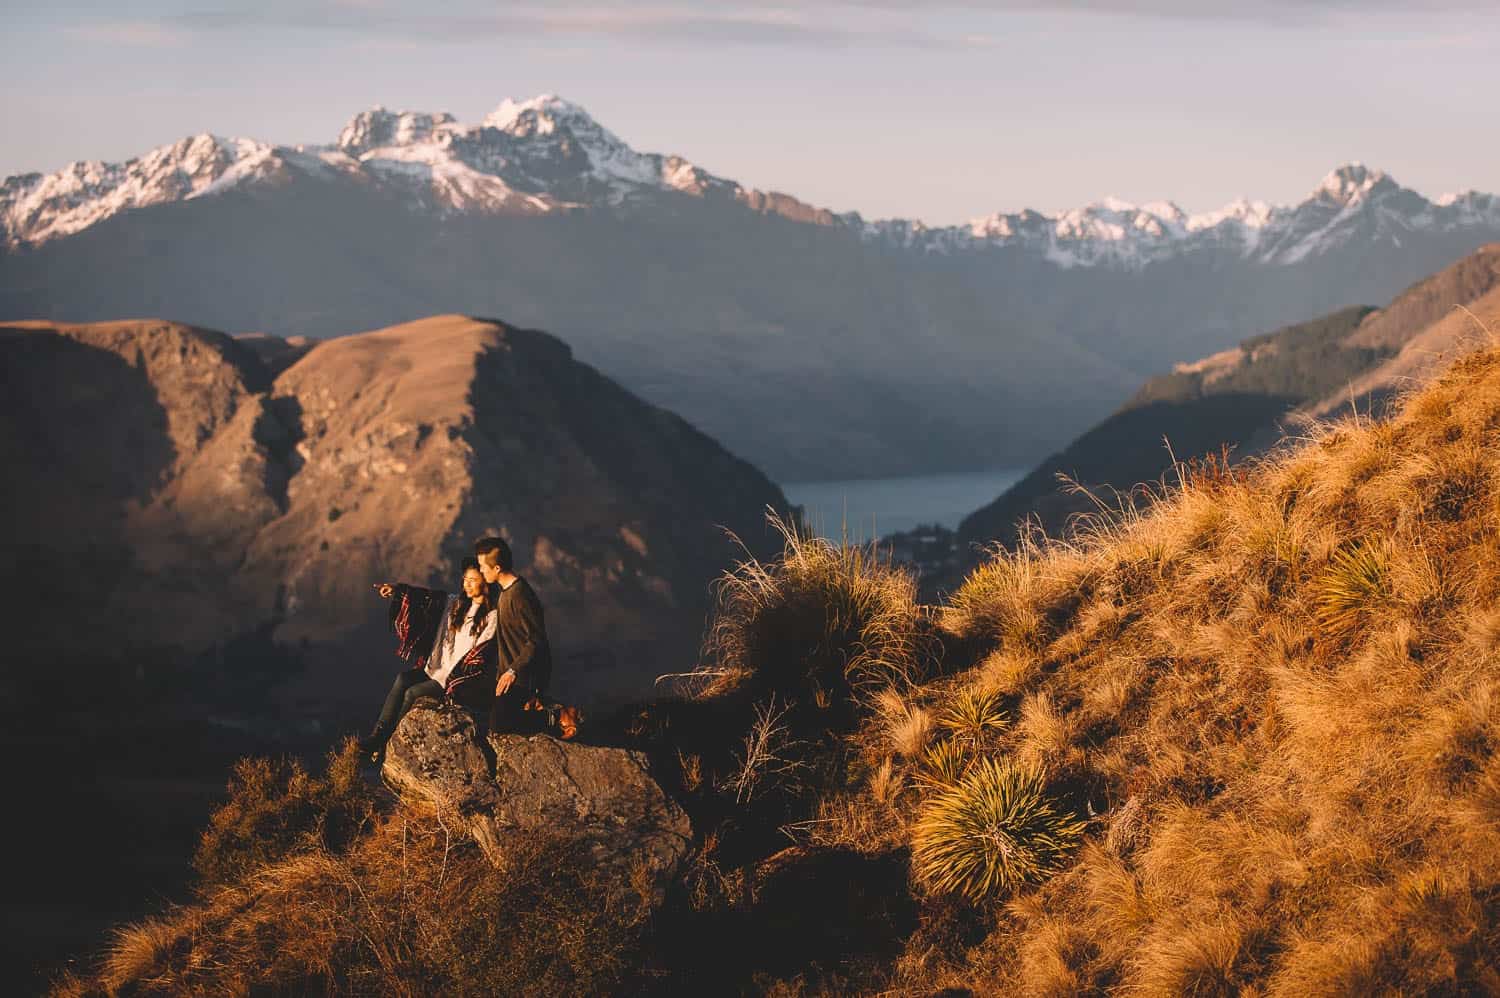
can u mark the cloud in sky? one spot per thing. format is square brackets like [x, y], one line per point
[739, 24]
[141, 33]
[816, 23]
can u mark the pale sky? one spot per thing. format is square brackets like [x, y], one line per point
[940, 112]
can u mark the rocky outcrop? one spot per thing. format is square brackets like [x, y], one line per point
[535, 785]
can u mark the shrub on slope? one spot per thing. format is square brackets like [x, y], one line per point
[408, 906]
[1279, 695]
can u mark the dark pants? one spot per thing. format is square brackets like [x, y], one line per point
[409, 687]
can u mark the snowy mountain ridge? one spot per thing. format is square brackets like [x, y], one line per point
[1351, 202]
[547, 154]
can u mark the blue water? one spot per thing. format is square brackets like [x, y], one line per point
[874, 507]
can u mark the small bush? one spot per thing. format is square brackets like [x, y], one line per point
[412, 907]
[276, 808]
[992, 831]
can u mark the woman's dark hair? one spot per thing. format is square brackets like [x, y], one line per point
[503, 557]
[461, 606]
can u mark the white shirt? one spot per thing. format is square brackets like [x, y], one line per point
[451, 646]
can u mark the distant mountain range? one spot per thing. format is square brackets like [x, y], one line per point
[1248, 398]
[817, 344]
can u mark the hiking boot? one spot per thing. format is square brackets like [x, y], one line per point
[373, 744]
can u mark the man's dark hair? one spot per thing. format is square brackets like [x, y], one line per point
[503, 557]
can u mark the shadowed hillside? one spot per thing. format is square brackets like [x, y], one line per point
[1244, 400]
[1242, 741]
[193, 523]
[198, 500]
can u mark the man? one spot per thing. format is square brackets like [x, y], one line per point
[525, 666]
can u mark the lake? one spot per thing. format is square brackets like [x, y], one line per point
[874, 507]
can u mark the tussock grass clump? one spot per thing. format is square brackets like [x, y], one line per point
[944, 764]
[907, 725]
[811, 659]
[824, 623]
[1356, 580]
[972, 713]
[990, 832]
[276, 808]
[1006, 599]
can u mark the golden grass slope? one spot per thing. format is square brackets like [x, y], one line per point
[1276, 698]
[1243, 742]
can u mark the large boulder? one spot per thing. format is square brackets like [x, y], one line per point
[527, 785]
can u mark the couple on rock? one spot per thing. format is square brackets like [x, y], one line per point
[485, 648]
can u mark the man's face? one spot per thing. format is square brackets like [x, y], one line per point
[488, 568]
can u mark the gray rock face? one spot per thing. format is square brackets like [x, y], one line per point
[603, 797]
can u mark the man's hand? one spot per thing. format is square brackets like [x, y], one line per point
[385, 589]
[504, 682]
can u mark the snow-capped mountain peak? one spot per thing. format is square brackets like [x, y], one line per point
[35, 208]
[541, 115]
[1350, 183]
[1250, 214]
[379, 127]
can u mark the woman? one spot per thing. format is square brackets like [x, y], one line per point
[449, 640]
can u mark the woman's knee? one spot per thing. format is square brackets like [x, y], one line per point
[414, 694]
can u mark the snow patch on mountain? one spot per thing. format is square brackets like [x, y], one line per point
[39, 207]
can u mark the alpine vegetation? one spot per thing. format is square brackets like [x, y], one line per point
[1242, 741]
[992, 830]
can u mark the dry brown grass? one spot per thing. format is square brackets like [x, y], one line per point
[825, 620]
[411, 908]
[1279, 690]
[1269, 696]
[276, 808]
